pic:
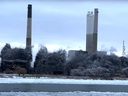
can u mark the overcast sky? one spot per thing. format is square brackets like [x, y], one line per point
[62, 24]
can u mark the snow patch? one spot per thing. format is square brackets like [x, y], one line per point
[61, 81]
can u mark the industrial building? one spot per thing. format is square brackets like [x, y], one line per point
[91, 36]
[101, 53]
[73, 53]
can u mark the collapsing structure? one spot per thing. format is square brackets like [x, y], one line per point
[92, 31]
[9, 65]
[11, 58]
[22, 57]
[73, 53]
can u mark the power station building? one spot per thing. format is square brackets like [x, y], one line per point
[73, 53]
[91, 36]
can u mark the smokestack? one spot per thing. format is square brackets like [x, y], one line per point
[89, 32]
[95, 30]
[29, 26]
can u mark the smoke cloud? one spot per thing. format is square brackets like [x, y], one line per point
[112, 50]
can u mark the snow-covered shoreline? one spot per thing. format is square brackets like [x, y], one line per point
[35, 80]
[76, 93]
[61, 81]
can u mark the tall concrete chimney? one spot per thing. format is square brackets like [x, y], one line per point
[89, 32]
[95, 30]
[29, 26]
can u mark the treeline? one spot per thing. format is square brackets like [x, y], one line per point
[15, 53]
[95, 65]
[50, 63]
[56, 63]
[9, 53]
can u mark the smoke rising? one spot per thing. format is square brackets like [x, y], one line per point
[112, 50]
[103, 48]
[82, 64]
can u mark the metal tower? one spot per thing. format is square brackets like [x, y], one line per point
[123, 52]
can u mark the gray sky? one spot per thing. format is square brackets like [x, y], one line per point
[62, 24]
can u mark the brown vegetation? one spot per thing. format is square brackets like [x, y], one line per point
[20, 70]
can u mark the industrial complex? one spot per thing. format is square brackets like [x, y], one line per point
[91, 36]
